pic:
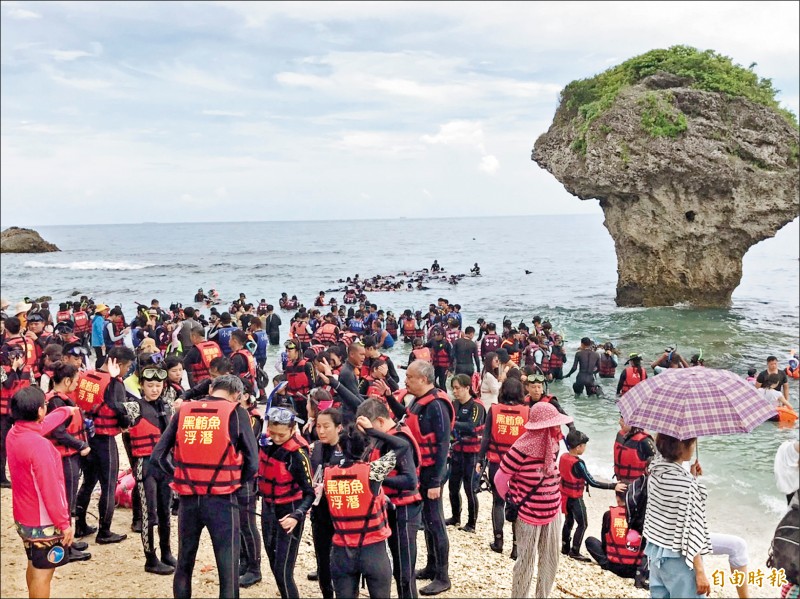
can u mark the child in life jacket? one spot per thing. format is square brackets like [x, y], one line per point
[574, 479]
[617, 551]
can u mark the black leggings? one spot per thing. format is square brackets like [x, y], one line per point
[250, 559]
[595, 549]
[322, 534]
[440, 373]
[220, 515]
[281, 547]
[136, 494]
[102, 464]
[349, 564]
[72, 476]
[462, 472]
[436, 541]
[405, 521]
[576, 514]
[156, 501]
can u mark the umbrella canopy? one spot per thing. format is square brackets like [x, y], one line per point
[695, 402]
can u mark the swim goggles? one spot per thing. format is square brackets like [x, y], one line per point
[281, 416]
[290, 345]
[78, 351]
[535, 378]
[152, 373]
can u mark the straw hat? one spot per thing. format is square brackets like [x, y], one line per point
[545, 415]
[100, 308]
[3, 303]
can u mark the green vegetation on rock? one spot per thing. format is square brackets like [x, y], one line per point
[660, 118]
[587, 99]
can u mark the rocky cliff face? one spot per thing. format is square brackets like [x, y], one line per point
[682, 210]
[15, 240]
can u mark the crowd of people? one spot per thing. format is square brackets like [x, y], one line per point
[211, 438]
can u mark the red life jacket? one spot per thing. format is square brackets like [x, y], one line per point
[545, 365]
[617, 549]
[556, 360]
[63, 316]
[75, 425]
[144, 436]
[571, 485]
[359, 517]
[427, 443]
[406, 496]
[409, 328]
[632, 378]
[471, 444]
[206, 462]
[297, 378]
[543, 399]
[327, 333]
[208, 351]
[7, 394]
[422, 353]
[251, 366]
[118, 325]
[28, 348]
[299, 331]
[627, 465]
[506, 425]
[441, 357]
[275, 482]
[391, 328]
[348, 338]
[607, 368]
[91, 390]
[82, 324]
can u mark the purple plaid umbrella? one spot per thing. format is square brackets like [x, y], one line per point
[695, 402]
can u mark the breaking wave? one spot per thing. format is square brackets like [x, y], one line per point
[89, 265]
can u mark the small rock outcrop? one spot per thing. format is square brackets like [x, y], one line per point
[16, 240]
[688, 178]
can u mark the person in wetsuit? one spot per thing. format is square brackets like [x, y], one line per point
[588, 362]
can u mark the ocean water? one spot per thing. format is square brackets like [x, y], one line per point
[572, 285]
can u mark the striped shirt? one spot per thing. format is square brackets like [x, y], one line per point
[675, 517]
[544, 505]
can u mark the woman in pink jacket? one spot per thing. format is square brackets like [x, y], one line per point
[41, 511]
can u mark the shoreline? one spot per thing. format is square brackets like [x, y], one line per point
[475, 570]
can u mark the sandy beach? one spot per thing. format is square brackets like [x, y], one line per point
[476, 571]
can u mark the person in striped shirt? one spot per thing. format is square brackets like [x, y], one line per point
[675, 523]
[529, 476]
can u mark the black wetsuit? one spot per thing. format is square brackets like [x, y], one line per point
[589, 363]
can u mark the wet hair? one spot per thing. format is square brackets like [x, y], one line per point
[240, 336]
[511, 392]
[227, 382]
[369, 341]
[25, 404]
[469, 329]
[353, 442]
[672, 448]
[63, 371]
[373, 408]
[13, 325]
[491, 327]
[221, 364]
[334, 413]
[122, 353]
[751, 371]
[575, 438]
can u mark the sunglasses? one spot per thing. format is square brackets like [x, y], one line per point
[281, 416]
[78, 351]
[535, 378]
[154, 374]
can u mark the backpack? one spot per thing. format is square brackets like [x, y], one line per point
[783, 550]
[636, 503]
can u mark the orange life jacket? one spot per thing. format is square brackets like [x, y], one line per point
[28, 347]
[627, 465]
[506, 425]
[359, 517]
[514, 356]
[75, 425]
[406, 496]
[327, 333]
[427, 443]
[793, 373]
[275, 482]
[632, 378]
[208, 351]
[607, 368]
[422, 353]
[206, 461]
[299, 331]
[617, 549]
[250, 376]
[409, 328]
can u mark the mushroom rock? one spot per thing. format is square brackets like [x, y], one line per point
[688, 177]
[16, 240]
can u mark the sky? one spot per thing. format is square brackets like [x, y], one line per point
[115, 112]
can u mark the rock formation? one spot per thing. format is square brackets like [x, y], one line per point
[15, 240]
[688, 180]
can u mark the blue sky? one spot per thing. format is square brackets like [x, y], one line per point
[205, 111]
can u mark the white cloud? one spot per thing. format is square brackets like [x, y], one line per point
[489, 164]
[14, 11]
[459, 133]
[231, 113]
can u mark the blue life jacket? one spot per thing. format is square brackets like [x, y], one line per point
[223, 339]
[261, 345]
